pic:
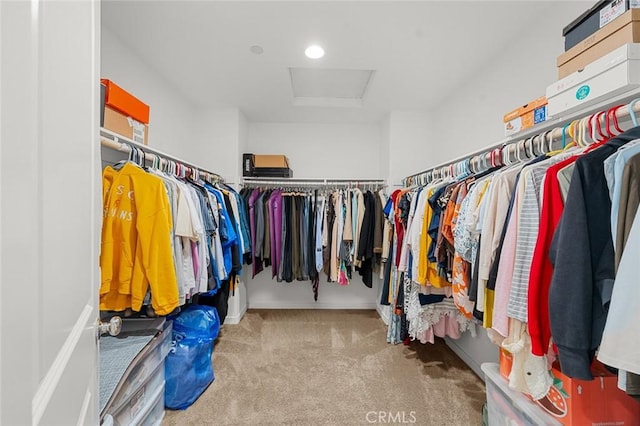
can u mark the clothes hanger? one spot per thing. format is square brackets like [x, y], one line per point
[498, 156]
[564, 136]
[632, 112]
[518, 152]
[525, 153]
[588, 130]
[526, 150]
[582, 141]
[573, 132]
[597, 128]
[505, 157]
[548, 136]
[613, 113]
[533, 146]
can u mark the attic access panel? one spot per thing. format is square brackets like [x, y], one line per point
[329, 87]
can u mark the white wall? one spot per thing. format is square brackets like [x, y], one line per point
[171, 115]
[471, 118]
[215, 141]
[385, 148]
[322, 150]
[409, 134]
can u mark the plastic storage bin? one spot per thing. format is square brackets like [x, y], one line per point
[156, 413]
[508, 407]
[147, 366]
[142, 409]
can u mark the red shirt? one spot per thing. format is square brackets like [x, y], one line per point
[541, 268]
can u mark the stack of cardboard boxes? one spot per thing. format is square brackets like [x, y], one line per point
[601, 60]
[598, 31]
[259, 165]
[123, 113]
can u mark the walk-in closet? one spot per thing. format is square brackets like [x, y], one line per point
[319, 212]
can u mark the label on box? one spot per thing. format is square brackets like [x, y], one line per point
[137, 403]
[540, 114]
[612, 11]
[513, 126]
[634, 4]
[138, 130]
[583, 92]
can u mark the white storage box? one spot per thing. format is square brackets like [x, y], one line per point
[614, 73]
[507, 407]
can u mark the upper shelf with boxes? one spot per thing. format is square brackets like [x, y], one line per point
[123, 113]
[600, 30]
[601, 60]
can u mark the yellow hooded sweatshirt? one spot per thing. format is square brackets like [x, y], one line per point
[136, 250]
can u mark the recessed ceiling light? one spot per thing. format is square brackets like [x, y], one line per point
[314, 52]
[255, 49]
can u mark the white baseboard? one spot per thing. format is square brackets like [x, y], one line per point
[235, 319]
[472, 363]
[383, 311]
[268, 304]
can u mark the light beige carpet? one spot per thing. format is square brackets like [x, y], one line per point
[314, 367]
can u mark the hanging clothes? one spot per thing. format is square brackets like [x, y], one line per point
[298, 234]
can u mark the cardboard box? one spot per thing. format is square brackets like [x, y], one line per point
[525, 116]
[597, 17]
[506, 362]
[615, 73]
[119, 123]
[622, 30]
[270, 161]
[119, 99]
[258, 165]
[590, 402]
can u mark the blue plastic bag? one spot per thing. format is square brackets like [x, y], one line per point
[188, 368]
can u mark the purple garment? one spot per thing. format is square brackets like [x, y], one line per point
[275, 203]
[252, 224]
[272, 239]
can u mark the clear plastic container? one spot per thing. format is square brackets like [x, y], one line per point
[140, 407]
[508, 407]
[142, 369]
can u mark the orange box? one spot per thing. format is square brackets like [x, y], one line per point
[506, 361]
[590, 402]
[123, 101]
[525, 116]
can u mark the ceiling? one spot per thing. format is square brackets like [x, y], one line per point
[420, 51]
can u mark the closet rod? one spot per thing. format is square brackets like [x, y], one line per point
[311, 182]
[552, 130]
[114, 141]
